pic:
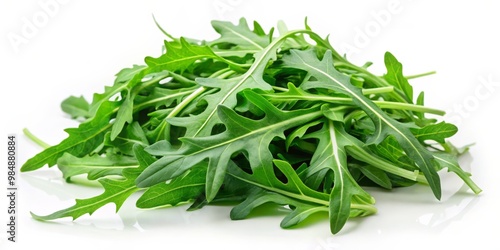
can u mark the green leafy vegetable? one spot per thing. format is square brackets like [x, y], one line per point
[254, 118]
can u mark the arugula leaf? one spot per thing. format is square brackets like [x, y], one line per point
[76, 107]
[240, 132]
[331, 154]
[329, 78]
[239, 35]
[80, 142]
[437, 132]
[115, 191]
[450, 162]
[395, 77]
[127, 74]
[253, 117]
[95, 166]
[180, 189]
[377, 176]
[295, 193]
[131, 135]
[180, 56]
[259, 197]
[202, 124]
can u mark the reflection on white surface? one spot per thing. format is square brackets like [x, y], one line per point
[453, 209]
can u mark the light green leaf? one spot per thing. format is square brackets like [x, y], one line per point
[179, 56]
[95, 166]
[115, 191]
[377, 176]
[127, 74]
[239, 35]
[80, 142]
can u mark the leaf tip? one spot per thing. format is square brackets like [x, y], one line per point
[39, 217]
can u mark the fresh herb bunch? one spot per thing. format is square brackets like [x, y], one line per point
[253, 117]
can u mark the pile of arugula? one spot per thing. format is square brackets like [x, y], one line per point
[253, 117]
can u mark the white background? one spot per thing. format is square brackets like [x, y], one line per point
[76, 47]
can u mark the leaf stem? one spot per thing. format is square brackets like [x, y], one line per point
[378, 81]
[364, 156]
[280, 89]
[223, 73]
[379, 90]
[370, 209]
[186, 101]
[348, 101]
[35, 139]
[408, 106]
[420, 75]
[162, 30]
[365, 91]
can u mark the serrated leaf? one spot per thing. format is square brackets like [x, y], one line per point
[303, 200]
[131, 90]
[239, 35]
[294, 189]
[202, 124]
[76, 107]
[127, 74]
[80, 141]
[259, 197]
[161, 97]
[125, 80]
[329, 78]
[437, 132]
[450, 161]
[242, 134]
[115, 191]
[392, 151]
[179, 56]
[330, 154]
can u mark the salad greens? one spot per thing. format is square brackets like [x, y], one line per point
[253, 117]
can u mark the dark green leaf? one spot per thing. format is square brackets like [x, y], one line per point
[329, 78]
[242, 134]
[377, 176]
